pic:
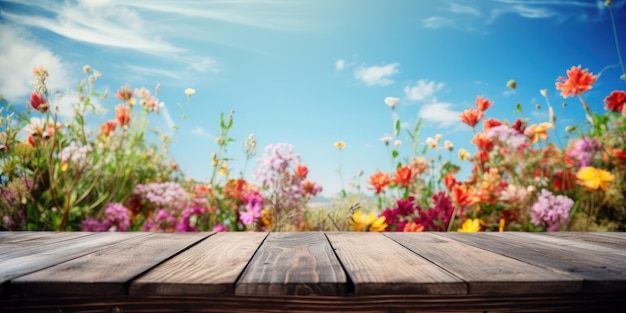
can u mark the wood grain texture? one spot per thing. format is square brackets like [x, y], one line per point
[599, 273]
[487, 272]
[106, 272]
[379, 265]
[36, 258]
[11, 248]
[293, 264]
[608, 240]
[211, 267]
[576, 246]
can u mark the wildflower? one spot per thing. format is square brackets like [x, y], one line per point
[514, 194]
[107, 128]
[87, 69]
[615, 101]
[483, 104]
[219, 227]
[563, 180]
[449, 181]
[75, 155]
[462, 195]
[501, 225]
[218, 140]
[116, 218]
[189, 92]
[432, 143]
[438, 137]
[594, 178]
[511, 84]
[419, 165]
[253, 209]
[413, 227]
[544, 92]
[471, 116]
[122, 114]
[490, 123]
[578, 81]
[386, 139]
[249, 146]
[392, 101]
[506, 135]
[379, 181]
[403, 176]
[362, 222]
[124, 94]
[463, 154]
[470, 226]
[448, 145]
[482, 141]
[267, 219]
[584, 151]
[551, 114]
[38, 102]
[223, 170]
[551, 211]
[397, 143]
[538, 131]
[339, 145]
[311, 188]
[301, 171]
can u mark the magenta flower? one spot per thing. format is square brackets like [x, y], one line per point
[551, 211]
[253, 209]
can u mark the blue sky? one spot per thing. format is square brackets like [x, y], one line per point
[310, 73]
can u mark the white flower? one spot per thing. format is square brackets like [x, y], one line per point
[392, 101]
[386, 139]
[432, 143]
[448, 145]
[189, 92]
[397, 143]
[87, 69]
[544, 92]
[438, 137]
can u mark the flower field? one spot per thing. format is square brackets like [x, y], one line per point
[118, 177]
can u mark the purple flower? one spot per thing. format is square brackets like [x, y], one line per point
[162, 195]
[219, 227]
[163, 221]
[253, 209]
[551, 211]
[584, 151]
[116, 218]
[508, 135]
[188, 218]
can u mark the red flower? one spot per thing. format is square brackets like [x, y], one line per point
[520, 125]
[619, 155]
[576, 83]
[107, 128]
[471, 117]
[379, 181]
[489, 123]
[124, 94]
[449, 181]
[615, 102]
[483, 104]
[122, 114]
[564, 180]
[482, 141]
[462, 195]
[38, 102]
[403, 176]
[302, 171]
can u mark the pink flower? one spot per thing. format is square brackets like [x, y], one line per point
[38, 102]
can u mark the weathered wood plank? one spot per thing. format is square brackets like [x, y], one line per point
[293, 264]
[17, 236]
[487, 272]
[603, 239]
[22, 243]
[36, 258]
[210, 267]
[576, 246]
[599, 273]
[379, 265]
[106, 272]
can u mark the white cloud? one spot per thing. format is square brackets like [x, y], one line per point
[201, 132]
[148, 71]
[19, 57]
[203, 64]
[440, 113]
[377, 75]
[340, 64]
[464, 9]
[423, 90]
[437, 22]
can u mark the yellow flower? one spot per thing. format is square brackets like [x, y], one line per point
[189, 92]
[339, 144]
[539, 131]
[362, 222]
[501, 225]
[470, 226]
[463, 154]
[594, 178]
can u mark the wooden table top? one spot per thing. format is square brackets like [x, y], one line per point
[312, 271]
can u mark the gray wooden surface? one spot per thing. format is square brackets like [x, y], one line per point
[48, 271]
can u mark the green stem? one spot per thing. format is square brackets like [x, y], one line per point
[619, 55]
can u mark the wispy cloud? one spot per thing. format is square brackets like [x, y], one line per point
[19, 57]
[423, 90]
[377, 75]
[340, 64]
[201, 132]
[437, 22]
[464, 9]
[148, 71]
[440, 113]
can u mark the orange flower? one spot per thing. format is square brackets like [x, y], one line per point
[124, 94]
[462, 195]
[483, 104]
[471, 116]
[122, 114]
[403, 176]
[107, 128]
[449, 181]
[594, 178]
[576, 83]
[302, 171]
[489, 123]
[538, 131]
[618, 154]
[482, 141]
[413, 227]
[379, 181]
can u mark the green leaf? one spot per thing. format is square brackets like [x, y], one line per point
[397, 127]
[518, 108]
[394, 154]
